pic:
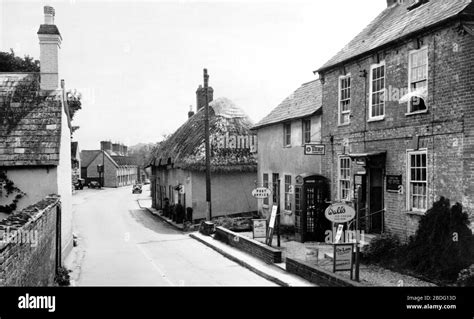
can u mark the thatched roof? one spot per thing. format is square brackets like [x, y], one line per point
[186, 147]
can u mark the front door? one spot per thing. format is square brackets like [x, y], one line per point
[314, 223]
[376, 201]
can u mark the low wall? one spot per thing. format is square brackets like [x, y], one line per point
[317, 275]
[268, 254]
[28, 245]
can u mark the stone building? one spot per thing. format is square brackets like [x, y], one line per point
[178, 164]
[398, 117]
[285, 167]
[119, 168]
[35, 132]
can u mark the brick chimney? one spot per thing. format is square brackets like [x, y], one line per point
[50, 43]
[116, 148]
[201, 97]
[191, 112]
[106, 146]
[125, 150]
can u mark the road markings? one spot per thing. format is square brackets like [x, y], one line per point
[163, 275]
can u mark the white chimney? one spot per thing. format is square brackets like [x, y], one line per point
[50, 43]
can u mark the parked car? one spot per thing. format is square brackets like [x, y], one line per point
[79, 184]
[94, 184]
[137, 189]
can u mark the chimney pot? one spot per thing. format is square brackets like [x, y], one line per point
[49, 14]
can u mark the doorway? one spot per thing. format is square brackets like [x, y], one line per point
[376, 200]
[371, 201]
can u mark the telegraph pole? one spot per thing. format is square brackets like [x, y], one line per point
[208, 148]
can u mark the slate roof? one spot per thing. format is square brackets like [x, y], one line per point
[125, 160]
[30, 124]
[397, 22]
[305, 101]
[87, 156]
[186, 147]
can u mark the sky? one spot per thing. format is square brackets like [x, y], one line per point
[138, 63]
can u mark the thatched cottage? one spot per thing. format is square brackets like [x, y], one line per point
[178, 164]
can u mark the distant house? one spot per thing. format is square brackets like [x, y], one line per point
[398, 114]
[35, 131]
[178, 165]
[293, 175]
[120, 169]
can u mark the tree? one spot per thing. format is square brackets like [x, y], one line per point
[443, 244]
[11, 63]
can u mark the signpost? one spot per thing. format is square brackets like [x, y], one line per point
[271, 225]
[315, 149]
[343, 258]
[340, 214]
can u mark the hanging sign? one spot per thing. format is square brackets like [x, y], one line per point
[261, 193]
[314, 149]
[340, 213]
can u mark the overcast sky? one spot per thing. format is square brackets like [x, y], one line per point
[139, 63]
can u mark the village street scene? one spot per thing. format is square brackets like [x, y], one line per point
[213, 144]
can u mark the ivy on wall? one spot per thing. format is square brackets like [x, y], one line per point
[7, 188]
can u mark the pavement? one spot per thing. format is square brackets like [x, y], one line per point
[122, 244]
[275, 273]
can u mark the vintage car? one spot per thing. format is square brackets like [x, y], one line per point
[94, 184]
[137, 189]
[79, 184]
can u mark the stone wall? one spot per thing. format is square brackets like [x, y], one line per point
[268, 254]
[28, 245]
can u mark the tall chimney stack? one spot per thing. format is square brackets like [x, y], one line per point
[201, 97]
[50, 43]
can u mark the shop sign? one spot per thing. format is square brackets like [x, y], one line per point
[340, 213]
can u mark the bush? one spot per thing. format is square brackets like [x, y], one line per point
[443, 244]
[383, 249]
[466, 277]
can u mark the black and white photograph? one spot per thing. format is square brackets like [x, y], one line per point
[152, 144]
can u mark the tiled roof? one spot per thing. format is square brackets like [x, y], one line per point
[124, 160]
[186, 147]
[30, 124]
[305, 101]
[87, 156]
[396, 22]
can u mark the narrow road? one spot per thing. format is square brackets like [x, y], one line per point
[121, 244]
